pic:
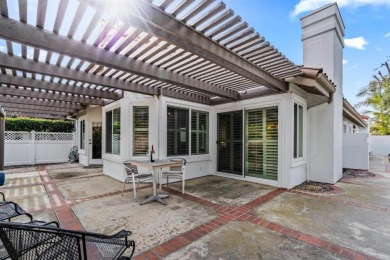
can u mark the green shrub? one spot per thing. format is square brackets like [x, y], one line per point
[39, 125]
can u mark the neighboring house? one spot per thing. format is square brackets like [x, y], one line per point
[282, 132]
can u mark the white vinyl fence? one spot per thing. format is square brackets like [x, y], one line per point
[355, 151]
[380, 145]
[28, 148]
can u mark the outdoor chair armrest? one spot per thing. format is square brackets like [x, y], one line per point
[2, 194]
[43, 223]
[121, 234]
[12, 209]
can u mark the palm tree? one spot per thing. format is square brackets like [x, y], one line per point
[377, 97]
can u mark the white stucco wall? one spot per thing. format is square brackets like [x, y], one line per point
[291, 172]
[322, 38]
[355, 151]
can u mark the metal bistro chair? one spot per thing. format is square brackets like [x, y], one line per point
[24, 241]
[132, 175]
[176, 172]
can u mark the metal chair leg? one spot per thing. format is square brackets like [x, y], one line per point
[183, 185]
[134, 189]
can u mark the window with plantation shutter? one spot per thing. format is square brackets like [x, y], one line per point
[298, 131]
[177, 131]
[82, 134]
[262, 143]
[113, 131]
[199, 132]
[140, 131]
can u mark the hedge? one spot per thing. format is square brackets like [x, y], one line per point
[39, 125]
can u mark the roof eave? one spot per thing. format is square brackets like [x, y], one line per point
[350, 112]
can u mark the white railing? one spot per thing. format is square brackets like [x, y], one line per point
[29, 148]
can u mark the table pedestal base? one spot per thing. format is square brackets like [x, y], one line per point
[151, 197]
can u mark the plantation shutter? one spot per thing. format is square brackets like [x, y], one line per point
[177, 131]
[116, 131]
[255, 152]
[140, 131]
[262, 143]
[82, 135]
[271, 144]
[199, 132]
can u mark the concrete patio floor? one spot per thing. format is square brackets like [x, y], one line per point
[217, 218]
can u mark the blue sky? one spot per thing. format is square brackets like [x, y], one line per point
[367, 30]
[369, 19]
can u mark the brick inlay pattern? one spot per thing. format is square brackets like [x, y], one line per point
[342, 201]
[226, 214]
[62, 207]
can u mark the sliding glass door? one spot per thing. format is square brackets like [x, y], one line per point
[230, 141]
[261, 144]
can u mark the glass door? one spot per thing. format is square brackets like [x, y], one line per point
[230, 142]
[95, 143]
[261, 146]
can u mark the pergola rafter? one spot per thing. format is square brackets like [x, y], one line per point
[34, 115]
[37, 107]
[149, 18]
[56, 87]
[40, 102]
[20, 92]
[194, 50]
[35, 37]
[38, 111]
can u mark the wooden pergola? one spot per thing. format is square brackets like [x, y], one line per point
[92, 51]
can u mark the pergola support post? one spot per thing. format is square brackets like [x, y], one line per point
[2, 133]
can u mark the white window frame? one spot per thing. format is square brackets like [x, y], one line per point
[299, 160]
[345, 127]
[198, 131]
[82, 151]
[105, 110]
[132, 129]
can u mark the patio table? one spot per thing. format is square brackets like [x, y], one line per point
[155, 168]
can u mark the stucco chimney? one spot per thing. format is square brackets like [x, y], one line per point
[322, 38]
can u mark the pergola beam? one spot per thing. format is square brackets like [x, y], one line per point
[51, 96]
[56, 87]
[160, 24]
[38, 38]
[18, 63]
[35, 115]
[14, 62]
[34, 107]
[40, 102]
[38, 111]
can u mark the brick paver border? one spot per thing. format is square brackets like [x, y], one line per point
[225, 214]
[243, 213]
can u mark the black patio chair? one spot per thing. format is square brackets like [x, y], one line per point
[9, 210]
[24, 241]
